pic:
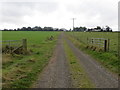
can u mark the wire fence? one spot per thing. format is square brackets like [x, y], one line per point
[94, 43]
[10, 46]
[101, 43]
[11, 43]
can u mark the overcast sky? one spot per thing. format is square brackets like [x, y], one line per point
[58, 13]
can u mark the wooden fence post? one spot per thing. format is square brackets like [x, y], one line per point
[92, 41]
[9, 44]
[108, 44]
[105, 45]
[24, 45]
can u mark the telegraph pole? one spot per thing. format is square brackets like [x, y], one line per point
[73, 26]
[73, 22]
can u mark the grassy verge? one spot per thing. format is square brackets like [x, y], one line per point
[107, 59]
[79, 76]
[21, 71]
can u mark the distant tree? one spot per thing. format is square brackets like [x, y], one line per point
[18, 29]
[61, 30]
[89, 30]
[98, 27]
[80, 29]
[108, 29]
[29, 29]
[39, 29]
[23, 29]
[101, 30]
[76, 29]
[84, 28]
[36, 28]
[48, 29]
[5, 30]
[15, 29]
[56, 29]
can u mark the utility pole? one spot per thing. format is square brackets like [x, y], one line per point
[73, 22]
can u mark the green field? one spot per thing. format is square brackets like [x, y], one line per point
[108, 59]
[82, 36]
[20, 71]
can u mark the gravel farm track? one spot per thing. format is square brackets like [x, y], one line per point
[57, 75]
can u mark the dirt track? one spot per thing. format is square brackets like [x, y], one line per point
[56, 74]
[97, 73]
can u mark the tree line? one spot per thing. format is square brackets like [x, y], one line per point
[81, 29]
[98, 29]
[36, 28]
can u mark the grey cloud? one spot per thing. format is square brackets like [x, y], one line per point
[90, 9]
[15, 11]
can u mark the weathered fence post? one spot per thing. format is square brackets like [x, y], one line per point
[105, 45]
[24, 45]
[108, 44]
[92, 41]
[9, 44]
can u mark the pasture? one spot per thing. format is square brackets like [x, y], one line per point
[82, 36]
[22, 70]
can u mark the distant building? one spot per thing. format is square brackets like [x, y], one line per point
[63, 29]
[96, 30]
